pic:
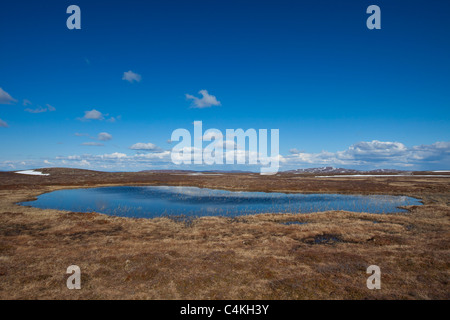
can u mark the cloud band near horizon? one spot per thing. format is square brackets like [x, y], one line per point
[363, 155]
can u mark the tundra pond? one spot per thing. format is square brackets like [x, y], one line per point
[159, 201]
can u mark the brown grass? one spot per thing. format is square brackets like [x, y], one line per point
[251, 257]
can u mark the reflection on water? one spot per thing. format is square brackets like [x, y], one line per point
[290, 223]
[157, 201]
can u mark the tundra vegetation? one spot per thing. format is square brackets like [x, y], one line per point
[320, 255]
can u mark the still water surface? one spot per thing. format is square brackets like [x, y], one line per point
[157, 201]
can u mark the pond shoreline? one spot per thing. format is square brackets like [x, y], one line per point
[148, 201]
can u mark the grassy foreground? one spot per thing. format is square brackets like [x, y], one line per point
[252, 257]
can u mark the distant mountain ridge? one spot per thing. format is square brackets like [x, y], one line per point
[333, 170]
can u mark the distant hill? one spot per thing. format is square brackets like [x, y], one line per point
[167, 171]
[319, 171]
[333, 170]
[323, 170]
[194, 171]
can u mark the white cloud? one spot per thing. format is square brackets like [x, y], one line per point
[295, 151]
[377, 154]
[92, 144]
[145, 147]
[118, 160]
[97, 115]
[26, 102]
[361, 155]
[39, 109]
[433, 152]
[93, 115]
[3, 124]
[84, 163]
[205, 101]
[5, 97]
[115, 155]
[104, 136]
[376, 149]
[149, 156]
[130, 76]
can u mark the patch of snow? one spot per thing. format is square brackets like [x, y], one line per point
[33, 173]
[442, 171]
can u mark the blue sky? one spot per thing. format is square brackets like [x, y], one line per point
[339, 93]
